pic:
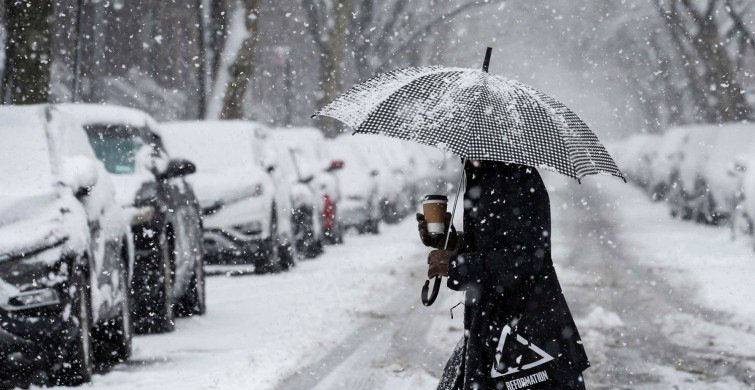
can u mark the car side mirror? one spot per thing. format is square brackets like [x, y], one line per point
[335, 165]
[375, 172]
[178, 168]
[80, 174]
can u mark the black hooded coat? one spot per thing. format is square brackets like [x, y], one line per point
[519, 332]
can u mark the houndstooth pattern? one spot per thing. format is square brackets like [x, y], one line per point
[475, 115]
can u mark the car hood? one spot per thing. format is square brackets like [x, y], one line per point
[37, 221]
[213, 188]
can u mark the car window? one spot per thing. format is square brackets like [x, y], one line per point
[116, 146]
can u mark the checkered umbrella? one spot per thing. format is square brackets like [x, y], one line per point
[475, 115]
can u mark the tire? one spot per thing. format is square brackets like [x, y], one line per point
[287, 254]
[75, 355]
[113, 338]
[156, 315]
[373, 226]
[273, 262]
[311, 247]
[339, 234]
[193, 301]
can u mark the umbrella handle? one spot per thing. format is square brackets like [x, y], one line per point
[427, 301]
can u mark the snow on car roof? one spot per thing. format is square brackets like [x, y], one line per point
[25, 163]
[86, 113]
[213, 146]
[308, 142]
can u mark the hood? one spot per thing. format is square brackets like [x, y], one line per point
[34, 222]
[215, 188]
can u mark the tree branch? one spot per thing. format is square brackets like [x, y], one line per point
[429, 26]
[739, 23]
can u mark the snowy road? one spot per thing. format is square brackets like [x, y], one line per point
[645, 291]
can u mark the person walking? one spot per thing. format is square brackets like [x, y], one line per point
[518, 330]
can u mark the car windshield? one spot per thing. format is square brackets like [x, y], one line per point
[116, 146]
[212, 150]
[25, 165]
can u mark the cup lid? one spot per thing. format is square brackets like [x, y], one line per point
[435, 197]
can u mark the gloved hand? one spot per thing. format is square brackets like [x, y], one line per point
[436, 241]
[438, 261]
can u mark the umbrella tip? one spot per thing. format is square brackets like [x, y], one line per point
[486, 62]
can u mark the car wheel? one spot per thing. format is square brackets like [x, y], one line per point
[113, 338]
[157, 314]
[374, 226]
[76, 354]
[288, 256]
[338, 237]
[309, 245]
[273, 261]
[193, 301]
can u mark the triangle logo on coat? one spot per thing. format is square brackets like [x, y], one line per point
[506, 333]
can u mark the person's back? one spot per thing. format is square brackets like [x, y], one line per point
[519, 331]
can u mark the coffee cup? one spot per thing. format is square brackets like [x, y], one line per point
[434, 207]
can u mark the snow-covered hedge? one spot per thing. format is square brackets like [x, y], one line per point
[701, 171]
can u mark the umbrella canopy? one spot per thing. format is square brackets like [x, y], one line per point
[475, 115]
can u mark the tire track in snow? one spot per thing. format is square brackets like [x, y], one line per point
[638, 354]
[388, 344]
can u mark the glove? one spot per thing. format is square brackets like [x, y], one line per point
[437, 241]
[438, 263]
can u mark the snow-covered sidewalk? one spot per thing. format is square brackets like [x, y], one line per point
[260, 329]
[720, 269]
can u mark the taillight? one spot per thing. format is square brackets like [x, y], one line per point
[328, 212]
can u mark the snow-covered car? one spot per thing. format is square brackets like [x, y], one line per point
[360, 203]
[243, 221]
[635, 155]
[394, 190]
[311, 155]
[738, 186]
[307, 229]
[665, 167]
[722, 185]
[64, 250]
[710, 190]
[433, 169]
[686, 194]
[168, 275]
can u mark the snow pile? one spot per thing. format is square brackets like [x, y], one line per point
[602, 318]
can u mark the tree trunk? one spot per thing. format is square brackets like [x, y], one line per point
[243, 66]
[331, 54]
[28, 51]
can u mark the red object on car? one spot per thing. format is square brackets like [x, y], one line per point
[329, 213]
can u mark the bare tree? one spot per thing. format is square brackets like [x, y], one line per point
[28, 56]
[243, 65]
[702, 35]
[376, 34]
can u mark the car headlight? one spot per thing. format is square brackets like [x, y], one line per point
[34, 298]
[249, 228]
